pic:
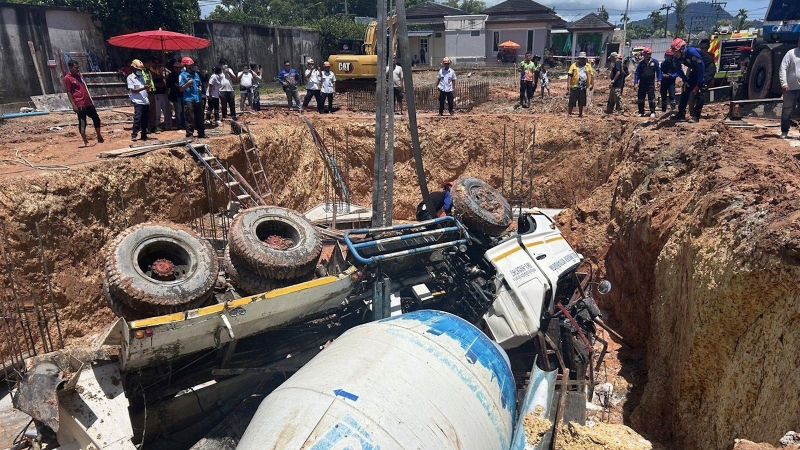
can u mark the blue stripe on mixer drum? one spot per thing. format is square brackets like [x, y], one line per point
[479, 348]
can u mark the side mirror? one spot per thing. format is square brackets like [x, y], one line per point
[604, 287]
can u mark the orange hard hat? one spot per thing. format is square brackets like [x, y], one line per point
[186, 61]
[647, 51]
[678, 44]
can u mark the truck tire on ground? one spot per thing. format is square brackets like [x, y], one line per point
[275, 242]
[760, 78]
[243, 278]
[158, 268]
[481, 207]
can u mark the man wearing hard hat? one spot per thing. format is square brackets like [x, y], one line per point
[137, 92]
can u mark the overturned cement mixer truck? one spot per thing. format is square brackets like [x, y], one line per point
[448, 319]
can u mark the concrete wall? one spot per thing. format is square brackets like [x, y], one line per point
[52, 31]
[460, 40]
[518, 33]
[268, 46]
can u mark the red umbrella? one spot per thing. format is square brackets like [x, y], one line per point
[159, 40]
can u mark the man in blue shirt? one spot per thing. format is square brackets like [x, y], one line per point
[692, 58]
[647, 72]
[289, 79]
[442, 201]
[667, 82]
[191, 86]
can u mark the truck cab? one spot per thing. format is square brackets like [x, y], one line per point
[780, 34]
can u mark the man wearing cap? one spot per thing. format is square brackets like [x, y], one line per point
[289, 79]
[446, 84]
[137, 92]
[191, 85]
[648, 71]
[789, 74]
[312, 75]
[692, 58]
[328, 86]
[81, 101]
[581, 79]
[667, 89]
[619, 71]
[526, 76]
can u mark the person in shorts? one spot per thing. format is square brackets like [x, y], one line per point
[581, 80]
[81, 101]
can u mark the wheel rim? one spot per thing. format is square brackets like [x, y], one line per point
[163, 260]
[278, 234]
[761, 78]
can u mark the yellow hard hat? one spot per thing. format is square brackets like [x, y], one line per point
[446, 60]
[136, 64]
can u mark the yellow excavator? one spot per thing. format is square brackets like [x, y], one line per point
[358, 71]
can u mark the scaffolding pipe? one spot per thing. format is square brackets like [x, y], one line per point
[405, 56]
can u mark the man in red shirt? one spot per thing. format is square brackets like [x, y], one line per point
[81, 101]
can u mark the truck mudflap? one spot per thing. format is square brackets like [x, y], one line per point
[158, 339]
[515, 315]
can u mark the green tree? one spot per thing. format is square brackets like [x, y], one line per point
[680, 14]
[657, 20]
[333, 29]
[469, 6]
[603, 13]
[741, 19]
[121, 16]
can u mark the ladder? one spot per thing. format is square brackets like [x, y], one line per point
[229, 177]
[254, 164]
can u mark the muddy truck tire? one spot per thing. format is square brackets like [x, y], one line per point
[158, 268]
[120, 309]
[244, 279]
[276, 243]
[481, 207]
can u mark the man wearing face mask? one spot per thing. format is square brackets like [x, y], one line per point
[191, 85]
[137, 92]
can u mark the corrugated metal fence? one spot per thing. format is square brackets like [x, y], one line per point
[467, 94]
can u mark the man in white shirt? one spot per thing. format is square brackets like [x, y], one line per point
[212, 93]
[226, 97]
[137, 92]
[790, 82]
[446, 84]
[312, 75]
[328, 85]
[399, 87]
[246, 80]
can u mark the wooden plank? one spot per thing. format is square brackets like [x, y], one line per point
[141, 150]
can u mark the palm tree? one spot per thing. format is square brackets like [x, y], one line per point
[680, 14]
[741, 19]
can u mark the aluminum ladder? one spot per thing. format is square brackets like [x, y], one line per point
[254, 162]
[230, 178]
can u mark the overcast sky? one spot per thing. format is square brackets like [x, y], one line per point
[575, 9]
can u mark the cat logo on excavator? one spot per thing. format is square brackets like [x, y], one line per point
[345, 67]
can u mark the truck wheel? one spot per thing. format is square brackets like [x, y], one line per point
[276, 243]
[158, 268]
[760, 78]
[481, 207]
[245, 279]
[118, 308]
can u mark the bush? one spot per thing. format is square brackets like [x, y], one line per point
[333, 29]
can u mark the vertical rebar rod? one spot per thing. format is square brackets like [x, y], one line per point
[21, 313]
[522, 160]
[503, 164]
[530, 168]
[513, 155]
[49, 287]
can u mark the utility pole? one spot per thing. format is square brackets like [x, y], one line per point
[625, 27]
[666, 18]
[718, 6]
[379, 180]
